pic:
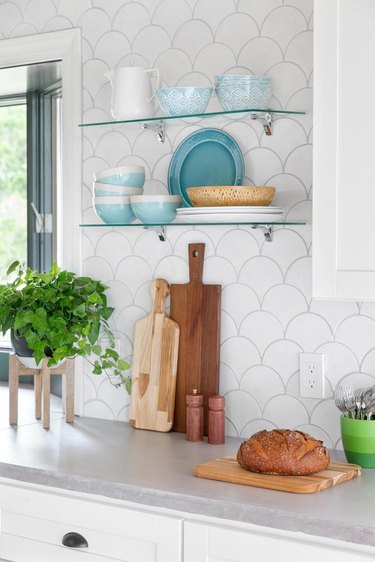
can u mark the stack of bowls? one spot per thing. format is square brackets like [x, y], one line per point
[243, 91]
[112, 189]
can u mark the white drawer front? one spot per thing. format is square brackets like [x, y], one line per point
[211, 543]
[17, 549]
[113, 532]
[108, 545]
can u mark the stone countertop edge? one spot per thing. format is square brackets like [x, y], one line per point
[197, 505]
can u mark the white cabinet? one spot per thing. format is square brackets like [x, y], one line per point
[216, 543]
[34, 522]
[344, 150]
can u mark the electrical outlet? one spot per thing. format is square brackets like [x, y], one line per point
[311, 375]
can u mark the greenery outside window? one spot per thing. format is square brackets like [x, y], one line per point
[29, 174]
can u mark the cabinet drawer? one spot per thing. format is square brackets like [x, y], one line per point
[34, 523]
[214, 543]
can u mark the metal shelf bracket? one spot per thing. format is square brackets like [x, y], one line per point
[158, 128]
[266, 119]
[266, 229]
[160, 231]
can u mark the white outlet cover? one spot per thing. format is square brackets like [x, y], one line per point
[311, 375]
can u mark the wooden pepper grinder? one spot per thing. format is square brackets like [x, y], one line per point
[216, 420]
[194, 416]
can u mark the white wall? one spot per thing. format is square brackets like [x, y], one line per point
[268, 316]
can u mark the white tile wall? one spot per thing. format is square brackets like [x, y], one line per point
[268, 316]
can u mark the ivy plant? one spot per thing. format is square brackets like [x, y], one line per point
[61, 315]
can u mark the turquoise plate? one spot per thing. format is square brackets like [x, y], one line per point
[207, 157]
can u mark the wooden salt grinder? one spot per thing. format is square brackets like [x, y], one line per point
[194, 416]
[216, 420]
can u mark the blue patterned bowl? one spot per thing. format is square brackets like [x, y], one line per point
[183, 101]
[244, 96]
[230, 79]
[159, 209]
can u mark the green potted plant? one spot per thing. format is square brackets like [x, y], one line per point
[60, 315]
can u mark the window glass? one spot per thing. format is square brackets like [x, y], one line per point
[13, 186]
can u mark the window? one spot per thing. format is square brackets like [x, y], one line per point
[13, 184]
[30, 170]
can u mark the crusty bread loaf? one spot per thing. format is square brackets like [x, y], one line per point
[283, 451]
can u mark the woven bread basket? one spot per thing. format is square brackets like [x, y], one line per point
[230, 195]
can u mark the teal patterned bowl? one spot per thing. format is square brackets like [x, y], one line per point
[183, 101]
[244, 96]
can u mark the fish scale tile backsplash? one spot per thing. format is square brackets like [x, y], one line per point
[268, 316]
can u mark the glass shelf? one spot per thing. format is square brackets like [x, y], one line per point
[160, 228]
[211, 114]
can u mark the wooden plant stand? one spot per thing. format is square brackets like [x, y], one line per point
[42, 386]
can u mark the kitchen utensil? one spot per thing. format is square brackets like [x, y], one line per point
[132, 95]
[206, 157]
[196, 309]
[183, 101]
[365, 401]
[355, 403]
[228, 470]
[226, 195]
[154, 365]
[151, 209]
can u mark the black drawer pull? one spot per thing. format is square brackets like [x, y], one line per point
[74, 540]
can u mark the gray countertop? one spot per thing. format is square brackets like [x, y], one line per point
[156, 469]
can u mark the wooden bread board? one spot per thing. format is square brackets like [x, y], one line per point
[154, 366]
[227, 469]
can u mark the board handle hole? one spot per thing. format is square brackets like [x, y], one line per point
[195, 254]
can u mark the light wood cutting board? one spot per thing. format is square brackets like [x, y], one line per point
[196, 308]
[227, 469]
[154, 366]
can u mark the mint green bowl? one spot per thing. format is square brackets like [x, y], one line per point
[358, 439]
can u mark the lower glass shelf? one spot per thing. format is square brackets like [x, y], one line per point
[160, 228]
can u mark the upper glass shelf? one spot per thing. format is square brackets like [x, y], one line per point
[216, 223]
[211, 114]
[265, 227]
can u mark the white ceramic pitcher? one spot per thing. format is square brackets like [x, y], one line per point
[132, 95]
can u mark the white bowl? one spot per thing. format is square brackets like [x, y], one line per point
[107, 189]
[130, 176]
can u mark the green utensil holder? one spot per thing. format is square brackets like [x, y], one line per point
[358, 439]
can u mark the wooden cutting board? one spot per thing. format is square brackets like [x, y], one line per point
[154, 366]
[196, 309]
[227, 469]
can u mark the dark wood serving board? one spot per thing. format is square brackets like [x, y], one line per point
[196, 309]
[227, 469]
